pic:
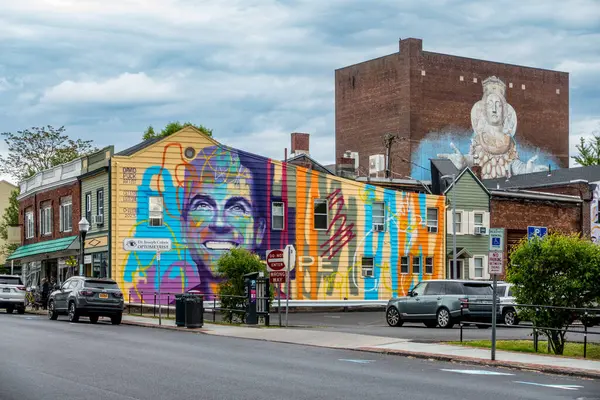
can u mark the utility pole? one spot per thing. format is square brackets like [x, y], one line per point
[388, 139]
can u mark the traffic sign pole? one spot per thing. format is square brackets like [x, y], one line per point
[495, 267]
[279, 303]
[159, 279]
[287, 292]
[494, 297]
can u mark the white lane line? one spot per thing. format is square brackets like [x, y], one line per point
[357, 361]
[564, 387]
[477, 372]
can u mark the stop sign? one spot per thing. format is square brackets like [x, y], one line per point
[275, 260]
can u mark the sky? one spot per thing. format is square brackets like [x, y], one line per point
[256, 70]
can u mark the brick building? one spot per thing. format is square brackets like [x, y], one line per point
[429, 100]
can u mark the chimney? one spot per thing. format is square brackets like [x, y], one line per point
[345, 167]
[477, 171]
[300, 143]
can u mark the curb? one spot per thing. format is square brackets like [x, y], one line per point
[172, 328]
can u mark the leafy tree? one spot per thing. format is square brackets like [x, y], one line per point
[589, 153]
[33, 150]
[558, 270]
[231, 268]
[173, 127]
[10, 218]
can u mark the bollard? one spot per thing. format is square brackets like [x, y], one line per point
[168, 304]
[214, 308]
[142, 304]
[461, 323]
[129, 309]
[585, 324]
[154, 307]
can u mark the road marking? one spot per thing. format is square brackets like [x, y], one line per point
[564, 387]
[357, 361]
[477, 372]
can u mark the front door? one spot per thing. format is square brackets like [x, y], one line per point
[455, 273]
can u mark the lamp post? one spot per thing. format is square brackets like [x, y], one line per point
[454, 270]
[84, 227]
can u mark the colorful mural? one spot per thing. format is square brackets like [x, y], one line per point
[491, 142]
[208, 198]
[595, 214]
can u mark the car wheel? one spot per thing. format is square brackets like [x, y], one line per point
[21, 310]
[73, 315]
[392, 316]
[430, 324]
[52, 314]
[510, 317]
[444, 319]
[93, 319]
[10, 309]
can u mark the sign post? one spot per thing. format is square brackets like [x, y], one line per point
[275, 266]
[290, 258]
[159, 297]
[495, 267]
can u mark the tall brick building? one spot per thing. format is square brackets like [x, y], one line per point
[497, 116]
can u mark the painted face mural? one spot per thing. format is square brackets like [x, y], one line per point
[595, 215]
[491, 144]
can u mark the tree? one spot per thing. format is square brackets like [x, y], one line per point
[589, 153]
[10, 218]
[558, 270]
[173, 127]
[231, 268]
[33, 150]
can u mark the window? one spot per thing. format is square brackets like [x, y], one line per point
[367, 266]
[378, 210]
[429, 265]
[156, 211]
[458, 222]
[100, 203]
[46, 219]
[478, 267]
[29, 225]
[434, 288]
[404, 267]
[432, 220]
[66, 214]
[474, 289]
[88, 207]
[454, 288]
[416, 265]
[419, 289]
[478, 219]
[321, 218]
[277, 216]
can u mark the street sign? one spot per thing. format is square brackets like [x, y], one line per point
[496, 262]
[277, 276]
[539, 231]
[147, 244]
[497, 239]
[275, 260]
[289, 255]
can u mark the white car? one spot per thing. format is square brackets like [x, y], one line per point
[507, 304]
[12, 294]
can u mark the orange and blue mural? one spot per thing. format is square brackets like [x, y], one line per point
[353, 240]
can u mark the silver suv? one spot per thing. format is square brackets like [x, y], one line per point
[439, 303]
[12, 293]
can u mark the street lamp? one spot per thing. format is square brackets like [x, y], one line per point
[454, 266]
[84, 227]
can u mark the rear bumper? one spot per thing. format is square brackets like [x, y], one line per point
[100, 310]
[12, 302]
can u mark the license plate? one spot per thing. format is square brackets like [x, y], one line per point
[104, 295]
[6, 290]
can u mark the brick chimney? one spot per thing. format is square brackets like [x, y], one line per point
[477, 171]
[300, 143]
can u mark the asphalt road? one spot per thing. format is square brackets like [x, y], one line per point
[42, 359]
[373, 323]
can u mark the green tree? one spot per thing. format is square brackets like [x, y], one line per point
[9, 218]
[231, 268]
[173, 127]
[589, 153]
[558, 270]
[36, 149]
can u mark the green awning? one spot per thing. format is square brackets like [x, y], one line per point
[49, 246]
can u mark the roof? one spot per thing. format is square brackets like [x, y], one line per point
[445, 166]
[460, 252]
[140, 146]
[49, 246]
[319, 167]
[535, 195]
[456, 179]
[545, 178]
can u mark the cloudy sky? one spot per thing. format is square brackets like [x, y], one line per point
[256, 70]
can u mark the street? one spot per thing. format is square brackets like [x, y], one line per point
[59, 360]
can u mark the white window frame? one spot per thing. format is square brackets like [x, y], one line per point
[367, 267]
[430, 225]
[459, 229]
[156, 217]
[29, 225]
[484, 272]
[378, 221]
[88, 206]
[475, 214]
[407, 264]
[320, 201]
[413, 265]
[66, 202]
[46, 220]
[429, 262]
[277, 214]
[100, 196]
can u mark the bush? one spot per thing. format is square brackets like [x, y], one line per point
[231, 268]
[558, 270]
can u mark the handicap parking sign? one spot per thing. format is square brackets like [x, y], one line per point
[496, 241]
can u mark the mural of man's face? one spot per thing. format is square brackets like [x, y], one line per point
[219, 211]
[494, 109]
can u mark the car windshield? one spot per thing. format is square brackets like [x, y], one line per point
[475, 289]
[101, 285]
[10, 280]
[510, 292]
[501, 290]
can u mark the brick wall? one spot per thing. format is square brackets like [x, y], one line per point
[34, 201]
[518, 215]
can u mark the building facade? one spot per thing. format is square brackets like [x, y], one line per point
[49, 212]
[353, 240]
[472, 112]
[6, 188]
[95, 207]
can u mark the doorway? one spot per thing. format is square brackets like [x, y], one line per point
[455, 273]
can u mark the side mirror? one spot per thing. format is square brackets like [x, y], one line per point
[412, 294]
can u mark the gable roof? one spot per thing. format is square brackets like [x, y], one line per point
[305, 157]
[485, 189]
[140, 146]
[539, 179]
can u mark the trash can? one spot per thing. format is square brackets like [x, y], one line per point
[194, 311]
[180, 309]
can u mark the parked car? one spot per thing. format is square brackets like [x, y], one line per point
[507, 303]
[12, 294]
[439, 303]
[90, 297]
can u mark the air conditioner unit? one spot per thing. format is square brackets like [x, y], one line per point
[432, 229]
[480, 230]
[378, 227]
[99, 219]
[376, 164]
[367, 272]
[353, 155]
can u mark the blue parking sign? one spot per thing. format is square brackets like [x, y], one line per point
[496, 241]
[539, 231]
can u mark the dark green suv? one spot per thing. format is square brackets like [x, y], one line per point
[439, 303]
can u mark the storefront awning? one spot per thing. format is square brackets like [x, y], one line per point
[49, 246]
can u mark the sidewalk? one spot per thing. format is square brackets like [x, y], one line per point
[380, 344]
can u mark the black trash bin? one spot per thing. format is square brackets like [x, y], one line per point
[180, 309]
[194, 311]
